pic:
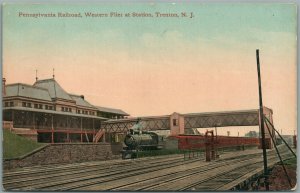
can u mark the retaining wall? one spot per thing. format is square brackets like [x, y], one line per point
[66, 153]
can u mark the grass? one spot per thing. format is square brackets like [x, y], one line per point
[15, 146]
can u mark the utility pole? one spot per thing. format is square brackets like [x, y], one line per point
[262, 129]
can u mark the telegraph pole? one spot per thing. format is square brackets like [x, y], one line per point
[262, 129]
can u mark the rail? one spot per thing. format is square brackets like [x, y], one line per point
[167, 173]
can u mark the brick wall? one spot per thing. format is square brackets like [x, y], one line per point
[66, 153]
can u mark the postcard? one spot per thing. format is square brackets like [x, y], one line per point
[149, 96]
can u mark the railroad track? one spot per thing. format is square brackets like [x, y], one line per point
[36, 178]
[161, 173]
[58, 167]
[158, 180]
[188, 179]
[132, 178]
[221, 180]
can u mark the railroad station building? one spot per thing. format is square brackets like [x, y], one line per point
[45, 112]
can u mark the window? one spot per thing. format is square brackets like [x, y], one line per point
[40, 106]
[6, 104]
[175, 122]
[23, 104]
[78, 111]
[11, 104]
[48, 107]
[66, 109]
[29, 105]
[35, 106]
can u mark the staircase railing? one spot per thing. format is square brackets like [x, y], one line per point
[98, 135]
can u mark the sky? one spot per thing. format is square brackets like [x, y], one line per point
[160, 65]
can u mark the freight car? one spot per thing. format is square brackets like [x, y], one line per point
[198, 141]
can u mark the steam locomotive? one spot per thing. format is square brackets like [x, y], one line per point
[138, 140]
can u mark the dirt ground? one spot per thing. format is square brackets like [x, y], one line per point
[278, 179]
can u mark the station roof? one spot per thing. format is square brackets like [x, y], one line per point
[55, 90]
[49, 89]
[111, 110]
[79, 99]
[24, 90]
